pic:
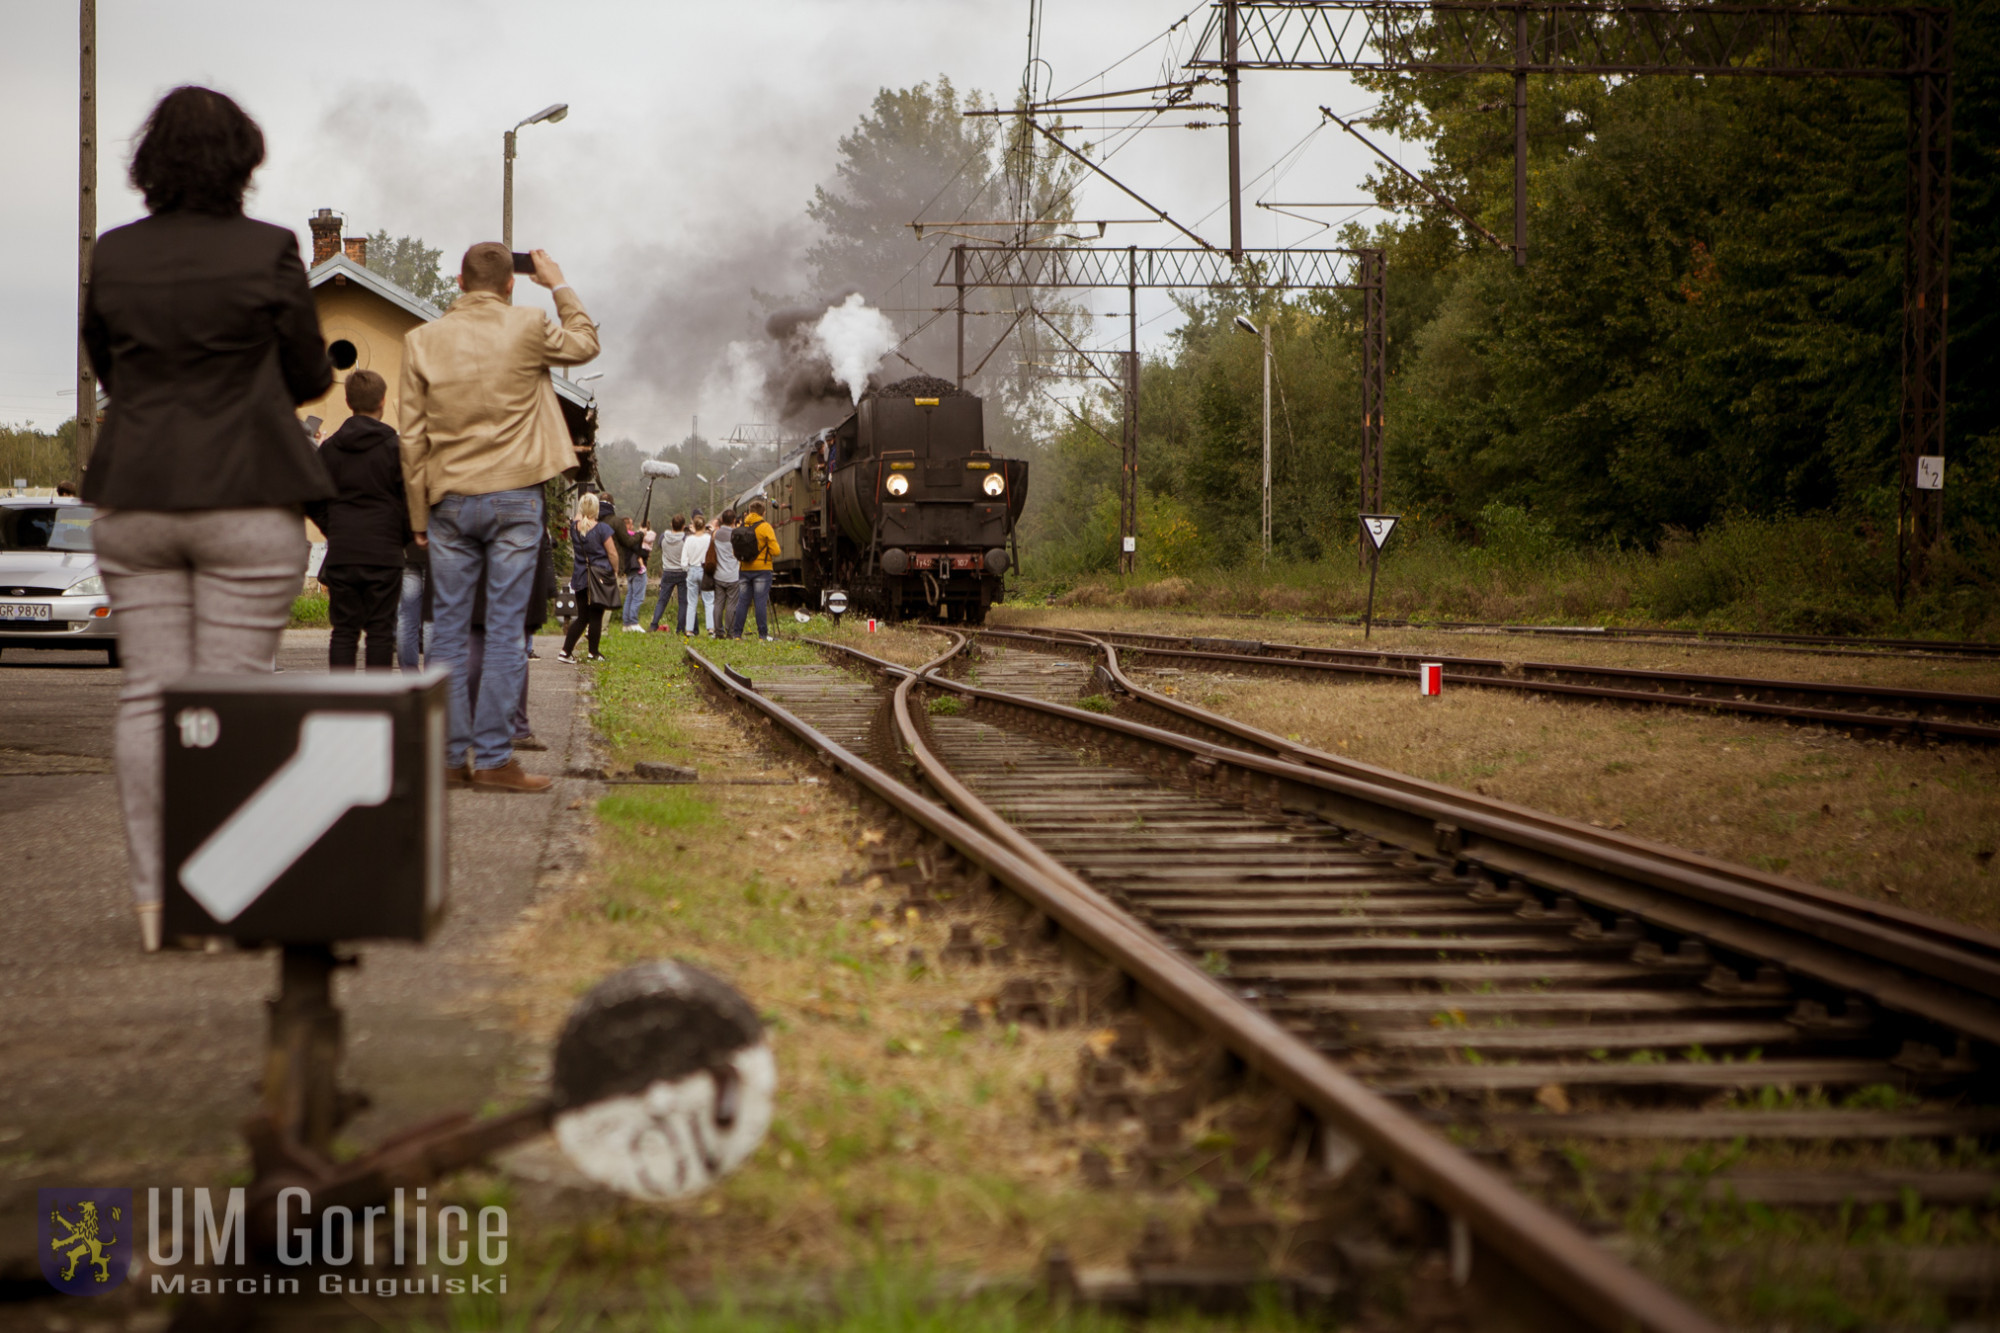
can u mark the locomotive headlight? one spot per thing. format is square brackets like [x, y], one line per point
[898, 484]
[994, 483]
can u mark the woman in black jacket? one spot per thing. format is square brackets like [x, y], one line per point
[201, 328]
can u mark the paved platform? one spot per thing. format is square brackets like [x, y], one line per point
[118, 1068]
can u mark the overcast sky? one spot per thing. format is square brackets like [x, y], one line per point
[673, 193]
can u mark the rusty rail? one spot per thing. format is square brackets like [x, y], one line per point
[1823, 644]
[1566, 1263]
[1905, 713]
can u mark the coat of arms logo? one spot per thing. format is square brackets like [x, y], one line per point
[86, 1238]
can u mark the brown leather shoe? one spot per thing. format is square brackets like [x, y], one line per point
[510, 776]
[460, 776]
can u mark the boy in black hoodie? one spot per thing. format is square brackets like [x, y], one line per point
[366, 525]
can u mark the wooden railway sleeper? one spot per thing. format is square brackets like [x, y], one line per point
[1927, 1061]
[1768, 983]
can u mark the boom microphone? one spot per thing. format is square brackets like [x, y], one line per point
[652, 470]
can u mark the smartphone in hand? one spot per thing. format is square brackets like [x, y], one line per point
[523, 263]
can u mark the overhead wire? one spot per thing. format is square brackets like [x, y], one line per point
[1157, 37]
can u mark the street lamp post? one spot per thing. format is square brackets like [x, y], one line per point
[1265, 334]
[551, 114]
[721, 478]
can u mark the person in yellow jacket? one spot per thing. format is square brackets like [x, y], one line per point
[756, 571]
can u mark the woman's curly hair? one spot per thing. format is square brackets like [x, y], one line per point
[196, 152]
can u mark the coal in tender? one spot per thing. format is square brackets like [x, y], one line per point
[919, 386]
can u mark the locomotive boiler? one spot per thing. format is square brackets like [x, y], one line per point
[901, 507]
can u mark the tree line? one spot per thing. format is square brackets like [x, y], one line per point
[1709, 329]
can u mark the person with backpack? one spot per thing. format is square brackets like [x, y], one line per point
[756, 543]
[698, 555]
[727, 574]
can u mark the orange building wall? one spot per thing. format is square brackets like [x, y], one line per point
[376, 329]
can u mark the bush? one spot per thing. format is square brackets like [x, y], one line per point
[1167, 592]
[1818, 574]
[309, 611]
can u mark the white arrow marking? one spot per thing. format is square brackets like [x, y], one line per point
[1379, 529]
[343, 760]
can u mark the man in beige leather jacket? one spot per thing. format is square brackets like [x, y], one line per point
[481, 433]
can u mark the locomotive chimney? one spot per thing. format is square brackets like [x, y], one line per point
[357, 249]
[325, 227]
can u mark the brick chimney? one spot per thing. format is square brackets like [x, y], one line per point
[325, 226]
[357, 249]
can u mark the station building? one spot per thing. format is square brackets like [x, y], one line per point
[363, 317]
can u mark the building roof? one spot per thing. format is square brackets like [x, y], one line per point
[369, 280]
[404, 299]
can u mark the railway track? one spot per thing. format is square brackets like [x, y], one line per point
[1797, 643]
[1507, 1009]
[1859, 710]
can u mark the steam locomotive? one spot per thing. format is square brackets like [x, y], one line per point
[900, 507]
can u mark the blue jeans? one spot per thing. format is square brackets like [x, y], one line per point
[757, 584]
[475, 662]
[698, 597]
[672, 581]
[635, 596]
[410, 629]
[492, 538]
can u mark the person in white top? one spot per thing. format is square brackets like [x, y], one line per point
[694, 554]
[673, 578]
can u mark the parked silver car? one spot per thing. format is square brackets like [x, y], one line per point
[51, 595]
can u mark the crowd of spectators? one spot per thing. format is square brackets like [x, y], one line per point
[439, 544]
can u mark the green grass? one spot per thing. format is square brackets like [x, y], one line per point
[885, 1299]
[904, 1149]
[646, 686]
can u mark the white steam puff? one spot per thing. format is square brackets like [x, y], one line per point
[854, 336]
[663, 1143]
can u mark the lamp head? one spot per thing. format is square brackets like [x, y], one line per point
[552, 114]
[1249, 328]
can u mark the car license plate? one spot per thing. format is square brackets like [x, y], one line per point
[24, 611]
